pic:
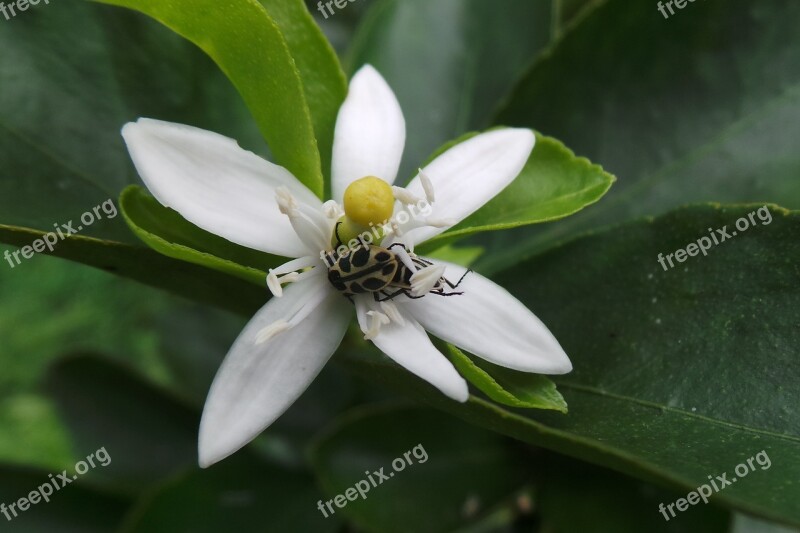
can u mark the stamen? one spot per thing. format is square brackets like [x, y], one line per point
[332, 210]
[274, 282]
[427, 185]
[310, 305]
[440, 222]
[286, 202]
[270, 331]
[391, 310]
[405, 197]
[377, 319]
[310, 225]
[300, 314]
[425, 279]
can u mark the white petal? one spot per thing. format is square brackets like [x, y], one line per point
[489, 322]
[370, 133]
[216, 185]
[258, 382]
[471, 173]
[409, 346]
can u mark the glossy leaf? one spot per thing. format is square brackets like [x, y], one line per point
[149, 267]
[324, 82]
[148, 434]
[460, 255]
[75, 508]
[62, 107]
[239, 494]
[508, 387]
[32, 419]
[167, 232]
[565, 12]
[452, 474]
[702, 106]
[700, 355]
[244, 40]
[574, 496]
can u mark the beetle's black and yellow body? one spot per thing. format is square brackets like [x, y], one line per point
[363, 269]
[377, 270]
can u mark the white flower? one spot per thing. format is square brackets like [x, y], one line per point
[235, 194]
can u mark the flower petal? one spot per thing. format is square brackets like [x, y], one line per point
[370, 133]
[216, 185]
[489, 322]
[409, 346]
[470, 174]
[258, 382]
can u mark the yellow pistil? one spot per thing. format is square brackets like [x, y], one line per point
[368, 203]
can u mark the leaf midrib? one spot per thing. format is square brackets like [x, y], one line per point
[645, 403]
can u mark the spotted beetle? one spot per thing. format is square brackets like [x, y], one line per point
[367, 268]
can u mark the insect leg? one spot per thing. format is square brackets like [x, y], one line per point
[458, 282]
[387, 295]
[336, 232]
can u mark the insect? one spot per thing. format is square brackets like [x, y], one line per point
[380, 271]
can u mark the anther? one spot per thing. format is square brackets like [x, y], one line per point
[270, 331]
[425, 279]
[427, 186]
[377, 319]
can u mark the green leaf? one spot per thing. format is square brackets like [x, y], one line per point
[239, 494]
[167, 232]
[149, 267]
[460, 255]
[61, 108]
[324, 81]
[701, 355]
[575, 496]
[553, 184]
[710, 116]
[193, 342]
[743, 523]
[448, 61]
[148, 434]
[78, 507]
[453, 471]
[565, 12]
[243, 38]
[31, 419]
[508, 387]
